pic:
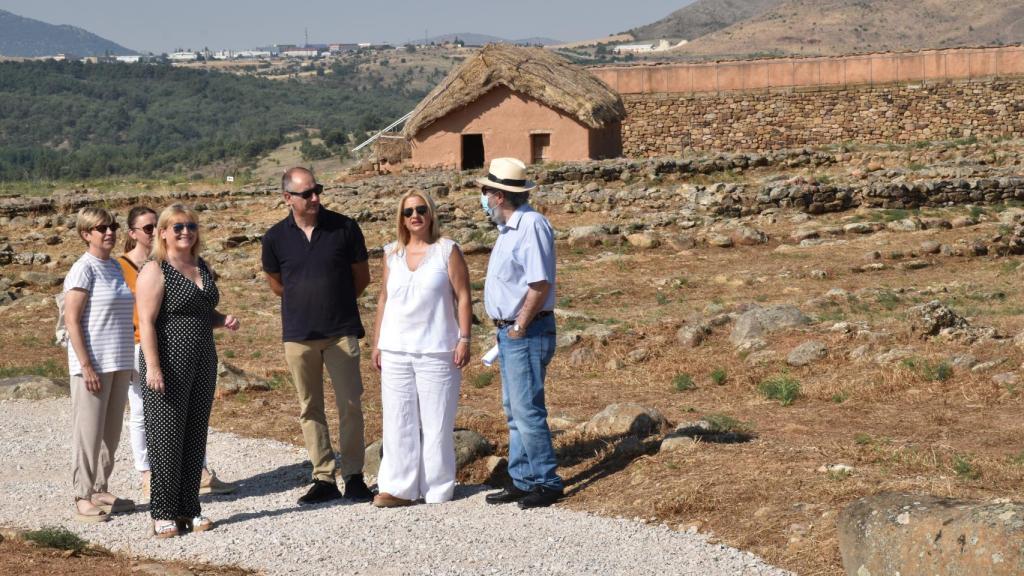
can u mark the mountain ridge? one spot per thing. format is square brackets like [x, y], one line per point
[28, 38]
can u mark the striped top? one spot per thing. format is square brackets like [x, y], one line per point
[106, 317]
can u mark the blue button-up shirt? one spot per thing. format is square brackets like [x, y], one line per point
[523, 254]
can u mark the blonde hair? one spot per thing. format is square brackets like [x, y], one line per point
[403, 232]
[89, 217]
[159, 244]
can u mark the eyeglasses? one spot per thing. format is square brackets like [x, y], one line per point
[192, 227]
[102, 228]
[421, 210]
[148, 229]
[317, 189]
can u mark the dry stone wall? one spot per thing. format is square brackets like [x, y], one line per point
[665, 124]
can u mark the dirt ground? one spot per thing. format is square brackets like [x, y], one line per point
[904, 426]
[28, 559]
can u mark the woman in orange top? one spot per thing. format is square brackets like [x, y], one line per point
[137, 247]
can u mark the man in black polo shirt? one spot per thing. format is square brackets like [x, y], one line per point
[316, 261]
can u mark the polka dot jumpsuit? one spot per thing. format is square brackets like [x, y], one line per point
[177, 418]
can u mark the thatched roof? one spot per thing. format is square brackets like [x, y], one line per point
[536, 72]
[391, 148]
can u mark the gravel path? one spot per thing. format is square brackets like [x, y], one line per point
[260, 527]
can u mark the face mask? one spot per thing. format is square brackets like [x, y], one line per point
[487, 207]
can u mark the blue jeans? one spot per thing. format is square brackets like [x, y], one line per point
[524, 363]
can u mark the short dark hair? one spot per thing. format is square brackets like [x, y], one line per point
[286, 179]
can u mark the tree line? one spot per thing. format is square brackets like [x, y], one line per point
[69, 120]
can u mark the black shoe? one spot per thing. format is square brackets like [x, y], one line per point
[506, 496]
[356, 489]
[540, 497]
[322, 491]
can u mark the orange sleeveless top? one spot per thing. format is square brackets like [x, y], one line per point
[131, 274]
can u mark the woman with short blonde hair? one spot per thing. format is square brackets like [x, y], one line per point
[98, 315]
[178, 300]
[422, 337]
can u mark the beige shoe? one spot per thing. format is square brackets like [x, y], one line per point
[210, 484]
[385, 500]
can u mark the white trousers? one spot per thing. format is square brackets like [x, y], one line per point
[137, 420]
[419, 397]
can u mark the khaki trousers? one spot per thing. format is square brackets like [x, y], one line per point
[306, 361]
[96, 430]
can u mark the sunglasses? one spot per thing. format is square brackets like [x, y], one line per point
[148, 229]
[317, 189]
[192, 227]
[421, 210]
[102, 228]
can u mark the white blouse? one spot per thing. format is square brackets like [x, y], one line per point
[419, 315]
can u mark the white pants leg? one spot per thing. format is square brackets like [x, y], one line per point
[136, 420]
[419, 398]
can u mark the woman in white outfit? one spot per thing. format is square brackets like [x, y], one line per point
[424, 318]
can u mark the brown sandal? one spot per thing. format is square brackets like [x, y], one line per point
[88, 518]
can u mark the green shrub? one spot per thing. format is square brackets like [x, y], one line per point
[59, 538]
[783, 388]
[840, 397]
[683, 382]
[964, 468]
[483, 379]
[719, 376]
[863, 439]
[723, 423]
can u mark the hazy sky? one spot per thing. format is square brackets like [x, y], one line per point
[164, 25]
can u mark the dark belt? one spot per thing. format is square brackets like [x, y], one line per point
[504, 323]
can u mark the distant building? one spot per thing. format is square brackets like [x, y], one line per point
[254, 54]
[659, 46]
[183, 56]
[302, 53]
[63, 57]
[339, 48]
[515, 101]
[129, 59]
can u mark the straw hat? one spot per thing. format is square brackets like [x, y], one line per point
[507, 174]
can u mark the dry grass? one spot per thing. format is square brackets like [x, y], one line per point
[899, 426]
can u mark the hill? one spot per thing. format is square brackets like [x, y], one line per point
[823, 27]
[473, 39]
[701, 18]
[25, 37]
[68, 120]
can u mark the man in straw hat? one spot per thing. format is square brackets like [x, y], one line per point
[520, 296]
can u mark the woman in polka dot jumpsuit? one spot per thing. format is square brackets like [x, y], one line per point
[177, 301]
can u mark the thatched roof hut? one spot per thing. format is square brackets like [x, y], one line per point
[535, 72]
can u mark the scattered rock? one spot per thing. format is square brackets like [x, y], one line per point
[986, 366]
[676, 443]
[748, 236]
[762, 358]
[371, 459]
[915, 264]
[637, 356]
[497, 472]
[930, 247]
[807, 353]
[583, 356]
[932, 317]
[232, 379]
[32, 388]
[643, 240]
[692, 335]
[470, 446]
[720, 241]
[625, 418]
[759, 321]
[919, 534]
[1006, 379]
